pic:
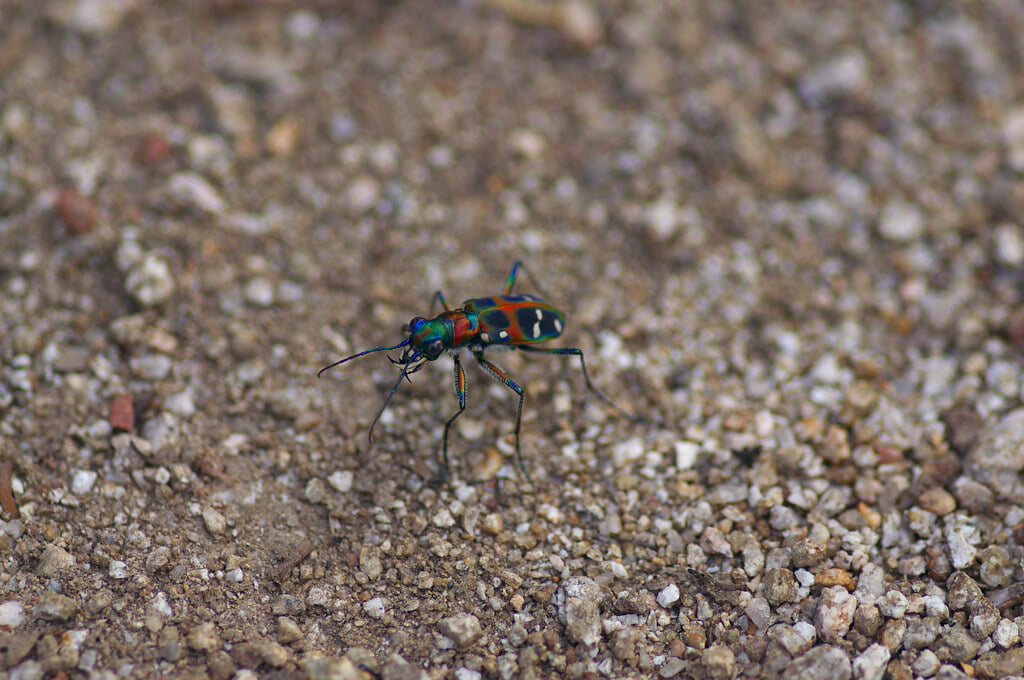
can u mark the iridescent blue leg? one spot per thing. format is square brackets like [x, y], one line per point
[460, 392]
[575, 351]
[504, 378]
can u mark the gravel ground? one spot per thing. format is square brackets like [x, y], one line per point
[790, 235]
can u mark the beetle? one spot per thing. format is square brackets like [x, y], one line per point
[506, 322]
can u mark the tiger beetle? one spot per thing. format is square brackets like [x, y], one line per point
[501, 322]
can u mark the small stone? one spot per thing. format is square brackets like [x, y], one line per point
[963, 591]
[215, 522]
[315, 491]
[959, 646]
[669, 595]
[283, 137]
[150, 282]
[82, 481]
[289, 605]
[921, 633]
[259, 292]
[55, 562]
[1006, 665]
[341, 480]
[871, 663]
[901, 222]
[191, 190]
[122, 413]
[720, 662]
[1006, 634]
[795, 639]
[288, 631]
[362, 194]
[397, 668]
[823, 661]
[369, 562]
[927, 664]
[158, 559]
[463, 629]
[1000, 446]
[937, 500]
[492, 524]
[12, 613]
[375, 607]
[959, 539]
[577, 600]
[91, 17]
[118, 569]
[779, 586]
[77, 212]
[893, 633]
[204, 638]
[893, 605]
[55, 607]
[996, 566]
[835, 614]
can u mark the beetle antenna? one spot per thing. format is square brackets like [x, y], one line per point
[356, 356]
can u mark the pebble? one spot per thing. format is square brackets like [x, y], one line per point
[151, 366]
[463, 629]
[12, 613]
[375, 607]
[577, 600]
[870, 664]
[959, 539]
[55, 607]
[927, 663]
[397, 668]
[921, 633]
[150, 282]
[719, 662]
[91, 17]
[259, 292]
[118, 569]
[76, 211]
[55, 562]
[215, 522]
[288, 631]
[795, 639]
[1006, 634]
[937, 500]
[779, 586]
[192, 190]
[823, 661]
[669, 595]
[341, 480]
[1000, 446]
[122, 413]
[363, 193]
[901, 221]
[834, 615]
[204, 638]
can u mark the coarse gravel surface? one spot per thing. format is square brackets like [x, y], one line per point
[787, 234]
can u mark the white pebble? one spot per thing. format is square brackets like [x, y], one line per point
[341, 480]
[118, 569]
[150, 282]
[192, 190]
[11, 613]
[901, 222]
[375, 607]
[686, 455]
[82, 481]
[669, 595]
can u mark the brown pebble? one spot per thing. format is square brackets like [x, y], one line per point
[937, 500]
[307, 420]
[154, 149]
[122, 413]
[834, 577]
[963, 425]
[888, 454]
[6, 491]
[76, 211]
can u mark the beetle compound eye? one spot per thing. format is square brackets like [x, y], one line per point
[433, 348]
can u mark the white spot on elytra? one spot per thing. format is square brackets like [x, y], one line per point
[558, 325]
[540, 315]
[536, 329]
[485, 337]
[502, 334]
